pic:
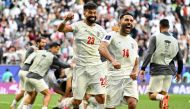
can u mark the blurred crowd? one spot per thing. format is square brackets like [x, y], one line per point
[22, 21]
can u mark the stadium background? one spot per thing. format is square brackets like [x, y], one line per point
[22, 21]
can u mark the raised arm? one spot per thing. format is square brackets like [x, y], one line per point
[63, 27]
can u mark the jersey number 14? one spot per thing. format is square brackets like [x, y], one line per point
[125, 52]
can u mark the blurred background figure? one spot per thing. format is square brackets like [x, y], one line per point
[7, 77]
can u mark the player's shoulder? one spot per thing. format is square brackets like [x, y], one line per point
[112, 33]
[156, 35]
[45, 52]
[99, 27]
[33, 47]
[41, 51]
[78, 23]
[132, 40]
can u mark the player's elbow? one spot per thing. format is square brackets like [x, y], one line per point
[100, 49]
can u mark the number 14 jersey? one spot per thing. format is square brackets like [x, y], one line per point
[125, 50]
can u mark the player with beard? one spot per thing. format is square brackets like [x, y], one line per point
[40, 44]
[88, 72]
[122, 52]
[163, 50]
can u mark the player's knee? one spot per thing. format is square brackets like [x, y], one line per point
[163, 92]
[100, 99]
[46, 92]
[132, 104]
[152, 97]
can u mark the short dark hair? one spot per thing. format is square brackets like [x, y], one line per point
[89, 5]
[38, 39]
[54, 44]
[124, 14]
[164, 23]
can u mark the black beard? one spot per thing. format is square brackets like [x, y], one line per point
[89, 20]
[124, 26]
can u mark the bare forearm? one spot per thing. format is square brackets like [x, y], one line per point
[136, 66]
[104, 52]
[62, 26]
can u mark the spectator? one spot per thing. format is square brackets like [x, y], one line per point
[186, 77]
[7, 76]
[12, 57]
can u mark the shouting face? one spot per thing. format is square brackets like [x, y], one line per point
[126, 24]
[42, 44]
[90, 15]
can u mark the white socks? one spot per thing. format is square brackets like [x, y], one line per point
[30, 106]
[159, 97]
[92, 100]
[21, 104]
[22, 101]
[14, 103]
[100, 106]
[44, 107]
[66, 102]
[25, 107]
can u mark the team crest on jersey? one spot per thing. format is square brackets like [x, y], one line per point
[108, 37]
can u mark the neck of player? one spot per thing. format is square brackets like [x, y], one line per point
[164, 30]
[88, 23]
[123, 33]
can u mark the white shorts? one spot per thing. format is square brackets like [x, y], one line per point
[88, 77]
[38, 85]
[117, 89]
[22, 75]
[159, 83]
[51, 80]
[68, 72]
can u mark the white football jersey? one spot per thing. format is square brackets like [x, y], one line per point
[124, 49]
[87, 41]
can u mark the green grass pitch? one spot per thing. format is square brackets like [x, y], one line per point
[176, 102]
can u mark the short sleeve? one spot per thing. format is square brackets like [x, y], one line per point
[108, 38]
